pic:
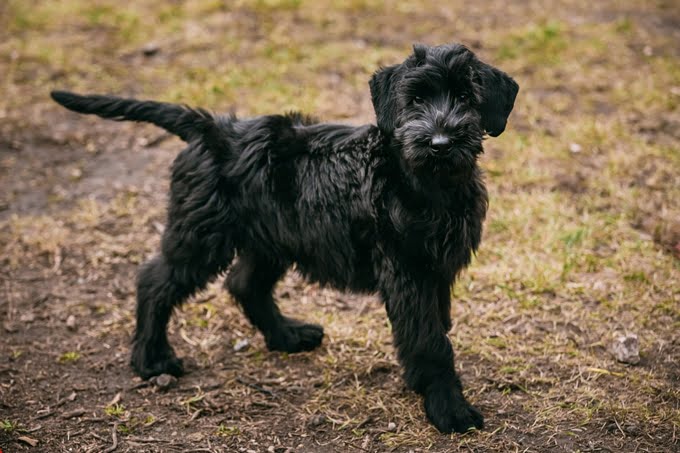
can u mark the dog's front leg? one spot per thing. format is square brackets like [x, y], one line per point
[414, 303]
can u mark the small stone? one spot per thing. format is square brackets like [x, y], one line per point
[317, 420]
[271, 449]
[71, 322]
[164, 381]
[391, 427]
[76, 174]
[27, 317]
[241, 345]
[150, 49]
[626, 348]
[648, 51]
[575, 148]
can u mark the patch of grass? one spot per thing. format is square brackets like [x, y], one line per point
[69, 357]
[8, 426]
[624, 25]
[636, 277]
[23, 17]
[277, 5]
[574, 238]
[497, 342]
[115, 410]
[530, 302]
[124, 429]
[149, 420]
[228, 431]
[542, 43]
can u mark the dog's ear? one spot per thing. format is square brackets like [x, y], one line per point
[498, 98]
[384, 101]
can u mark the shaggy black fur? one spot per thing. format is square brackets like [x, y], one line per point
[395, 209]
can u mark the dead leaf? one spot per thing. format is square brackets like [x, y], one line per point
[29, 440]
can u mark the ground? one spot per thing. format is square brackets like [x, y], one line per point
[582, 242]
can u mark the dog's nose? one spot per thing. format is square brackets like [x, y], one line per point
[440, 144]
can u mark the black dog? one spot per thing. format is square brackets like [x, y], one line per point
[395, 209]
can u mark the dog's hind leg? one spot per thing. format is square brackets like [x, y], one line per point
[196, 248]
[251, 281]
[164, 283]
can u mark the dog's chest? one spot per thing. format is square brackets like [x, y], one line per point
[445, 241]
[440, 239]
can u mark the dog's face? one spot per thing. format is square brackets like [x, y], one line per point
[439, 103]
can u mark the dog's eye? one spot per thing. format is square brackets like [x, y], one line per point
[462, 96]
[417, 100]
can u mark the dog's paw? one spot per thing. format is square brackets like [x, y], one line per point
[295, 336]
[448, 410]
[149, 365]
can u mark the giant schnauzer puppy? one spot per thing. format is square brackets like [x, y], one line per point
[395, 209]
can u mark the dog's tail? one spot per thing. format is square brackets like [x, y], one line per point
[187, 123]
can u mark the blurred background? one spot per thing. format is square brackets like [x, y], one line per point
[582, 241]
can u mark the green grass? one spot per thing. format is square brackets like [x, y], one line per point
[69, 357]
[537, 43]
[8, 426]
[227, 431]
[115, 410]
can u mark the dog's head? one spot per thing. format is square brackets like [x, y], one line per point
[439, 103]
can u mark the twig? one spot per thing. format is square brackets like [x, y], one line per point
[73, 413]
[140, 385]
[32, 430]
[97, 436]
[157, 140]
[92, 419]
[349, 444]
[144, 439]
[193, 417]
[70, 435]
[256, 387]
[619, 426]
[115, 439]
[46, 414]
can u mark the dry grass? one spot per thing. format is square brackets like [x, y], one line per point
[582, 240]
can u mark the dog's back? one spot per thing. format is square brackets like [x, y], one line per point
[302, 195]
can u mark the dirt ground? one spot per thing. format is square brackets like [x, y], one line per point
[582, 242]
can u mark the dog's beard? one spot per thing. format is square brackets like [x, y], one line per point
[466, 144]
